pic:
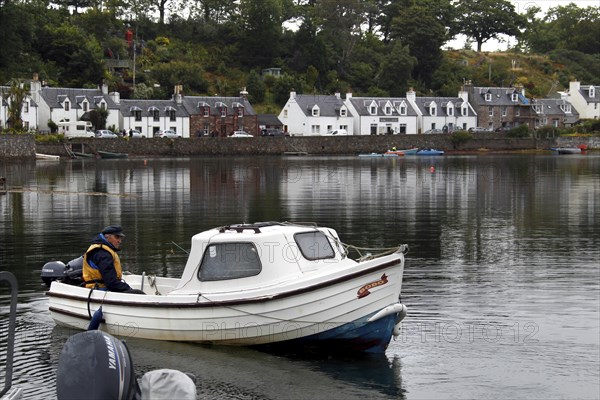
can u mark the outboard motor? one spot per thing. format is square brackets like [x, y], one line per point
[95, 365]
[72, 273]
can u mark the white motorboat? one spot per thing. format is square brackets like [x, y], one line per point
[267, 283]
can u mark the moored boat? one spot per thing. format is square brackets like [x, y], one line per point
[50, 157]
[566, 150]
[108, 154]
[430, 152]
[266, 283]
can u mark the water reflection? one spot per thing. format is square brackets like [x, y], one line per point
[496, 242]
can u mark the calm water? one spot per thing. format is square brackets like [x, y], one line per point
[502, 280]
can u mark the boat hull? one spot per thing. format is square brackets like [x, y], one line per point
[356, 309]
[566, 150]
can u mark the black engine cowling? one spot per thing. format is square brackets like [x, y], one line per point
[95, 365]
[71, 273]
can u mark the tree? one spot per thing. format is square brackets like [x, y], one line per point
[396, 69]
[16, 96]
[255, 87]
[483, 20]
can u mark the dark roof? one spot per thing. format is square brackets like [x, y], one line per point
[269, 120]
[148, 106]
[55, 96]
[500, 96]
[329, 105]
[191, 104]
[441, 102]
[362, 104]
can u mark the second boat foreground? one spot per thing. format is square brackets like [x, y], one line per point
[275, 284]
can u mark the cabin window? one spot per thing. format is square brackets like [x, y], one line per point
[314, 245]
[224, 261]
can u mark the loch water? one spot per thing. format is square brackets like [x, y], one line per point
[502, 279]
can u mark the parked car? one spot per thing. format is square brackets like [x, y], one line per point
[167, 133]
[134, 133]
[433, 131]
[105, 133]
[274, 132]
[237, 134]
[337, 132]
[478, 129]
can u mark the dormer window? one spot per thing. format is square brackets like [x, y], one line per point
[566, 108]
[172, 115]
[343, 112]
[514, 97]
[373, 110]
[402, 109]
[240, 112]
[464, 110]
[450, 109]
[488, 96]
[592, 91]
[315, 111]
[85, 106]
[432, 109]
[154, 112]
[67, 105]
[223, 111]
[102, 105]
[206, 111]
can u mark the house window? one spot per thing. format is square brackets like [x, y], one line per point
[223, 111]
[343, 112]
[240, 112]
[491, 111]
[488, 97]
[84, 106]
[26, 106]
[67, 106]
[388, 110]
[26, 125]
[373, 110]
[518, 112]
[555, 122]
[315, 111]
[206, 111]
[403, 110]
[206, 129]
[592, 91]
[329, 127]
[315, 129]
[155, 115]
[138, 115]
[514, 97]
[285, 113]
[138, 128]
[172, 116]
[450, 111]
[464, 126]
[102, 105]
[432, 110]
[504, 111]
[344, 127]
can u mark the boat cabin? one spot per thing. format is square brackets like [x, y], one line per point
[252, 257]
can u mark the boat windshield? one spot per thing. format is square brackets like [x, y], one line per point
[222, 261]
[314, 245]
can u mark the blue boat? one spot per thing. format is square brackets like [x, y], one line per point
[430, 152]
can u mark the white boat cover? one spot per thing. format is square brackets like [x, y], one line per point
[167, 384]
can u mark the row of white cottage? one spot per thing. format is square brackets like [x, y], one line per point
[302, 115]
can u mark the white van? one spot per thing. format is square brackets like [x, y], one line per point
[75, 129]
[337, 132]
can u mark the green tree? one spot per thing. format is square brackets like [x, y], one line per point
[396, 69]
[255, 87]
[483, 20]
[16, 96]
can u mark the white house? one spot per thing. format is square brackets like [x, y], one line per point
[29, 110]
[585, 99]
[312, 115]
[382, 115]
[70, 104]
[444, 113]
[150, 116]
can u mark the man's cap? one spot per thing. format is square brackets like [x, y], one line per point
[113, 230]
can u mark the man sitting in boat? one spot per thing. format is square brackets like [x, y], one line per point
[101, 263]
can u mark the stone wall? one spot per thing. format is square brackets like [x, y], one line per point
[342, 145]
[17, 146]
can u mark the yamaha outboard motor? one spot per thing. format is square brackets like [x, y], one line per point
[94, 365]
[57, 271]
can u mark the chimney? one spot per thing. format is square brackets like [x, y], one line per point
[116, 97]
[411, 96]
[244, 93]
[35, 88]
[293, 95]
[338, 95]
[104, 88]
[348, 96]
